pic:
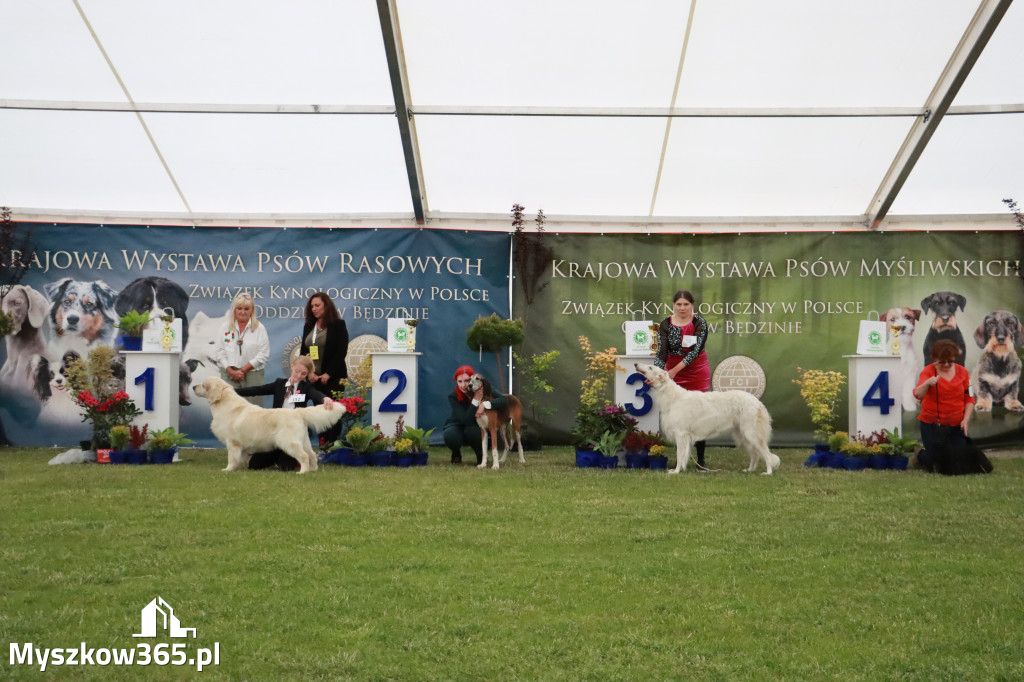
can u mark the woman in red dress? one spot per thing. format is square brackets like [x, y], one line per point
[681, 339]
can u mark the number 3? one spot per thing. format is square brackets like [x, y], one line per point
[643, 393]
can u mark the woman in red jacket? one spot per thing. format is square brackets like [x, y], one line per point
[944, 389]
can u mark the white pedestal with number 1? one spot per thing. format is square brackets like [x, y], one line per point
[151, 381]
[875, 389]
[632, 393]
[395, 387]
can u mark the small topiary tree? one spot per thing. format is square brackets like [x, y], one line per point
[492, 334]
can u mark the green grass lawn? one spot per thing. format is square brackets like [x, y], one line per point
[535, 572]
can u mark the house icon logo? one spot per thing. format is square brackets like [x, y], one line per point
[160, 611]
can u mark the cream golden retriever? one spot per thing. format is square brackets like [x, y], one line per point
[245, 428]
[689, 416]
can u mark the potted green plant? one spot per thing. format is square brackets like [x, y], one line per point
[857, 453]
[420, 440]
[900, 448]
[820, 392]
[119, 435]
[131, 324]
[363, 440]
[163, 444]
[656, 458]
[404, 456]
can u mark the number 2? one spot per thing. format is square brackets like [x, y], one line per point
[389, 404]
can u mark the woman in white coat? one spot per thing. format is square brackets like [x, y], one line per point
[243, 347]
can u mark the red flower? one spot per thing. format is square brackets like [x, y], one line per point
[87, 398]
[119, 396]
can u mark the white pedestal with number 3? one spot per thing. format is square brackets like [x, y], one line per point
[875, 389]
[395, 387]
[151, 381]
[632, 393]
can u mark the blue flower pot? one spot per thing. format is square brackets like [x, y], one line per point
[339, 456]
[131, 342]
[855, 463]
[587, 458]
[609, 461]
[404, 460]
[899, 462]
[816, 459]
[636, 460]
[657, 462]
[878, 462]
[162, 456]
[138, 456]
[836, 460]
[384, 458]
[118, 456]
[419, 458]
[356, 459]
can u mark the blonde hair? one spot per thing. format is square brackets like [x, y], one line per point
[242, 299]
[305, 361]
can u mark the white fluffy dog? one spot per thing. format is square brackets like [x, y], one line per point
[245, 428]
[689, 416]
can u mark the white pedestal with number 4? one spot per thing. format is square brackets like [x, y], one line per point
[875, 390]
[395, 387]
[632, 393]
[151, 381]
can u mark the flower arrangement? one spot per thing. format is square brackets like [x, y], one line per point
[855, 448]
[641, 441]
[418, 437]
[592, 424]
[657, 450]
[166, 439]
[117, 410]
[404, 446]
[353, 397]
[365, 439]
[820, 392]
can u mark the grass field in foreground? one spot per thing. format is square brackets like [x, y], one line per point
[535, 572]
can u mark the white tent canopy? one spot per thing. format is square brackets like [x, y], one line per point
[652, 114]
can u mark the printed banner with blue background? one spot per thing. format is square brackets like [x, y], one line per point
[445, 279]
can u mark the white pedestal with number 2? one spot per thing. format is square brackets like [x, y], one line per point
[632, 393]
[395, 386]
[875, 389]
[151, 381]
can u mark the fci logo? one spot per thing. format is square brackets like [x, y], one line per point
[169, 621]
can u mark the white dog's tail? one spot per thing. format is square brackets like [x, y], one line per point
[320, 418]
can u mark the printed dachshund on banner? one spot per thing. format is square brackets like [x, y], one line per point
[996, 377]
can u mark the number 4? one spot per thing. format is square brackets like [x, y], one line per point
[881, 386]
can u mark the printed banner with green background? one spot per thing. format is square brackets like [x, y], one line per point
[783, 300]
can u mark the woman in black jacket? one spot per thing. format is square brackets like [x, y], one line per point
[325, 341]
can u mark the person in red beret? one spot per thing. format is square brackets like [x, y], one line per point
[461, 428]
